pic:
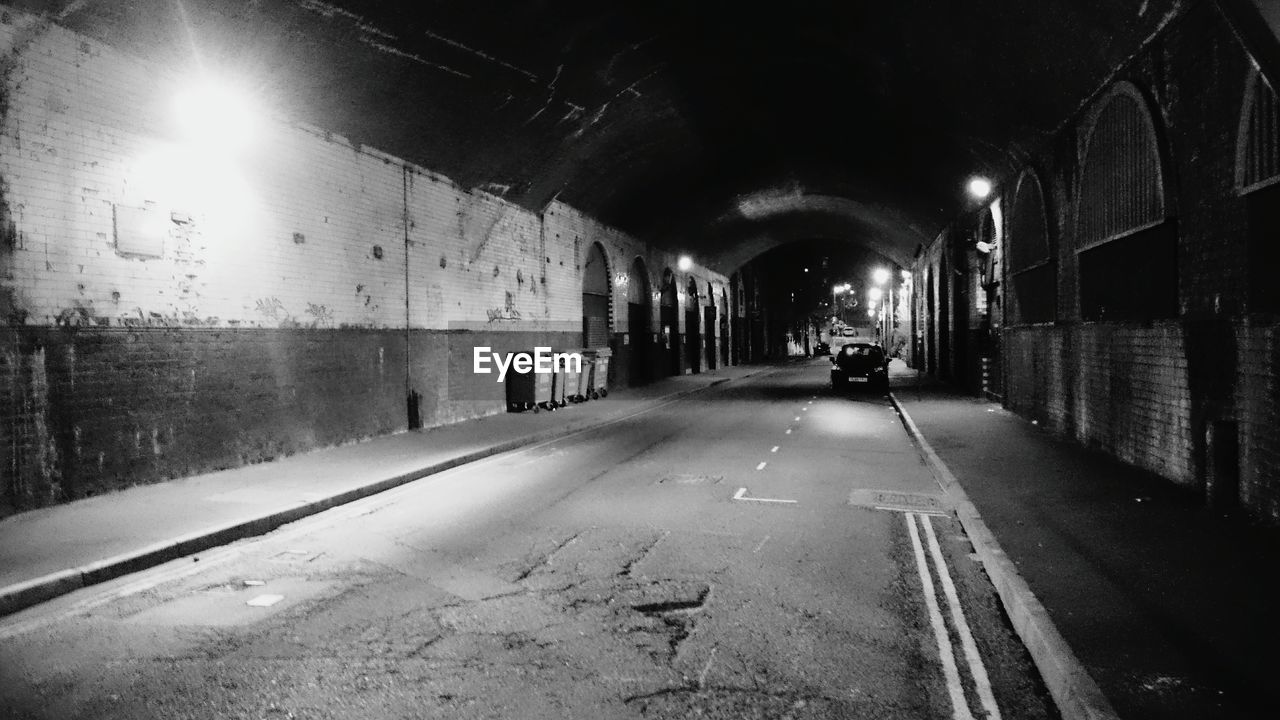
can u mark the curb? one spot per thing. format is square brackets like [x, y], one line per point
[1075, 693]
[47, 587]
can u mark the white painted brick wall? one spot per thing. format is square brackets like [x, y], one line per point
[90, 130]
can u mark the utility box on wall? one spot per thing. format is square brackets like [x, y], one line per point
[140, 232]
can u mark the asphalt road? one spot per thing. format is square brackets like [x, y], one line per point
[721, 556]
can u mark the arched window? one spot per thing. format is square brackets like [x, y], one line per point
[1258, 178]
[724, 327]
[1031, 269]
[1258, 143]
[638, 285]
[1125, 242]
[669, 321]
[693, 326]
[639, 322]
[596, 305]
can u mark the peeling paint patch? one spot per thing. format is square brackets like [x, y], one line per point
[33, 470]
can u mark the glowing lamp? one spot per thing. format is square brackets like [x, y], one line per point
[980, 188]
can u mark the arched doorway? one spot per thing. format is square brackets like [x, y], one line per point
[988, 301]
[692, 323]
[709, 323]
[944, 316]
[640, 323]
[724, 327]
[669, 322]
[595, 299]
[737, 353]
[931, 323]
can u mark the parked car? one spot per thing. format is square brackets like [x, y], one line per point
[860, 365]
[821, 348]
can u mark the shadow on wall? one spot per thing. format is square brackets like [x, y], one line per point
[89, 410]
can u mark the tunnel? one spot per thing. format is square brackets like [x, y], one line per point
[237, 232]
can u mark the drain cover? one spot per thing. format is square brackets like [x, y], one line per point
[691, 479]
[896, 500]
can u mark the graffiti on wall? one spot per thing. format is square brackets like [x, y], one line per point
[507, 312]
[321, 315]
[271, 308]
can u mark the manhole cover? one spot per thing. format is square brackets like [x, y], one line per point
[691, 479]
[896, 500]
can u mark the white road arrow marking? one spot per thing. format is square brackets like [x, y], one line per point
[742, 492]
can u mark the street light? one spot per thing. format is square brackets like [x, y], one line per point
[837, 290]
[880, 275]
[875, 294]
[685, 263]
[979, 188]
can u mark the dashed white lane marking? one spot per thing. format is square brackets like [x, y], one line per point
[797, 418]
[959, 706]
[971, 656]
[742, 492]
[804, 409]
[788, 431]
[762, 542]
[774, 449]
[761, 465]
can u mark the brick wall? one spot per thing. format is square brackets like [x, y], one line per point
[1153, 394]
[295, 293]
[1257, 399]
[1118, 387]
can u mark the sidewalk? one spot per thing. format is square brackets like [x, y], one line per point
[52, 551]
[1170, 608]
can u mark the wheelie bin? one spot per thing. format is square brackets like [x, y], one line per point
[529, 391]
[572, 380]
[586, 379]
[600, 373]
[558, 393]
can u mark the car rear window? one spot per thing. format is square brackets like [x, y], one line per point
[871, 351]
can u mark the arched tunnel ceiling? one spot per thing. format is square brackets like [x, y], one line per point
[667, 118]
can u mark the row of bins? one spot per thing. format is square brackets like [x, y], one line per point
[549, 391]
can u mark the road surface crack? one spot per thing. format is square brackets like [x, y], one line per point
[546, 560]
[626, 569]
